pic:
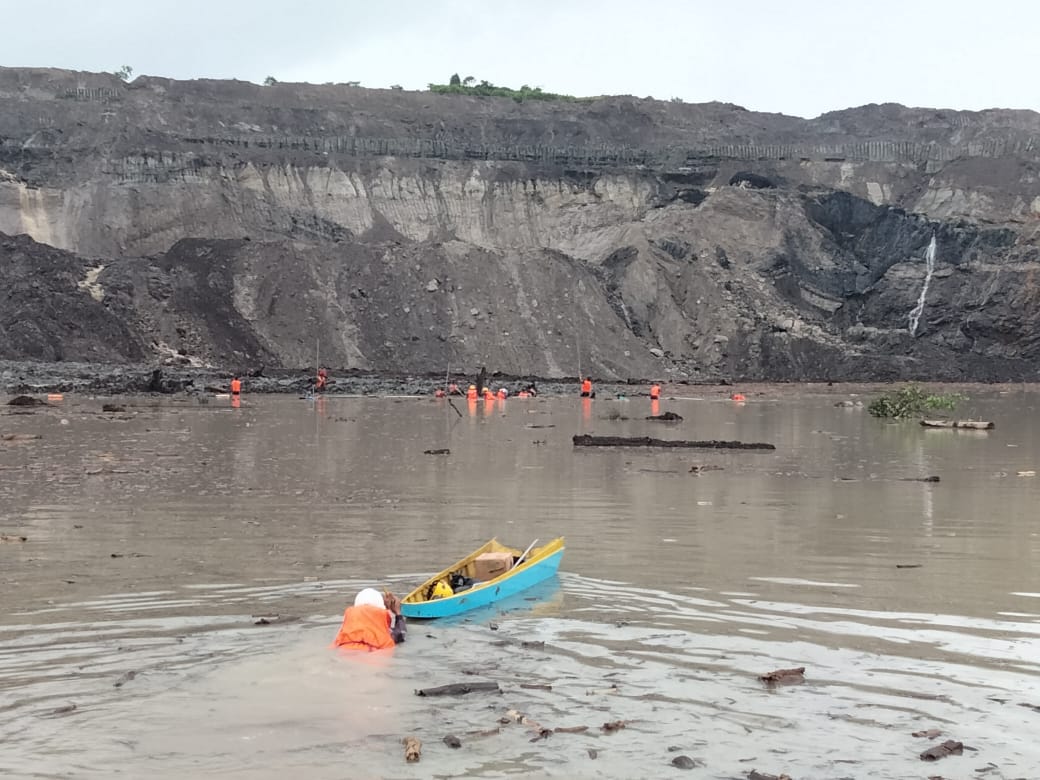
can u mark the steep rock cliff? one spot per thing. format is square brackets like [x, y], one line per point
[236, 224]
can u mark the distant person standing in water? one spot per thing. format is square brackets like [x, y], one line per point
[586, 388]
[236, 385]
[374, 622]
[322, 381]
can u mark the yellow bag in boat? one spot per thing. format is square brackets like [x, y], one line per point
[442, 590]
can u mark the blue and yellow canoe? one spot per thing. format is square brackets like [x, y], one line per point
[529, 567]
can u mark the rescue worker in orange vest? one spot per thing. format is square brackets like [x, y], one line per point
[655, 392]
[488, 395]
[322, 381]
[236, 385]
[471, 393]
[438, 393]
[374, 622]
[586, 388]
[502, 394]
[453, 389]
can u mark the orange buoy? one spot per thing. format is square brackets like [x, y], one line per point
[738, 397]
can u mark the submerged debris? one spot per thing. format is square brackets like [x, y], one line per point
[588, 440]
[701, 468]
[612, 726]
[452, 741]
[928, 733]
[124, 679]
[684, 762]
[460, 689]
[784, 676]
[114, 408]
[441, 451]
[11, 539]
[27, 400]
[666, 417]
[756, 775]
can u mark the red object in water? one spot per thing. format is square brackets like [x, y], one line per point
[438, 393]
[738, 397]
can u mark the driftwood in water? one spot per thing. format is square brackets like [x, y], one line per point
[587, 440]
[974, 425]
[756, 775]
[948, 748]
[458, 689]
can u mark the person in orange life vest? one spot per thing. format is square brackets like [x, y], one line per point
[438, 393]
[488, 395]
[236, 385]
[523, 394]
[502, 393]
[322, 382]
[655, 392]
[374, 622]
[586, 388]
[471, 393]
[453, 389]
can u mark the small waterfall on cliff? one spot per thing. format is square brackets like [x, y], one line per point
[929, 269]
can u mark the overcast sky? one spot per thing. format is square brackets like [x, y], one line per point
[792, 56]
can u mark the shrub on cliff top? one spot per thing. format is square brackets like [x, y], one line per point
[911, 401]
[487, 89]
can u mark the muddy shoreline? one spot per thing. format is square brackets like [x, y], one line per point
[24, 377]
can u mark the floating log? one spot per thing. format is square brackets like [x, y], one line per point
[459, 689]
[587, 440]
[948, 748]
[973, 425]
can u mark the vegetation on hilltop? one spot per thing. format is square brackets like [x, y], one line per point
[466, 86]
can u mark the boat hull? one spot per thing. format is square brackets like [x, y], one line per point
[485, 594]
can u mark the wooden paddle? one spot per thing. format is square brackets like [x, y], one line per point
[524, 554]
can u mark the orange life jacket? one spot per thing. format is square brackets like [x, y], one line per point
[471, 393]
[655, 391]
[236, 386]
[586, 386]
[523, 394]
[365, 628]
[502, 394]
[438, 393]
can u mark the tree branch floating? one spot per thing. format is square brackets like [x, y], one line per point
[588, 440]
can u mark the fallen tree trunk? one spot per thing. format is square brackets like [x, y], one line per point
[587, 440]
[974, 425]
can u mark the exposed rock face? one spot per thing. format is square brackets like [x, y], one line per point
[234, 224]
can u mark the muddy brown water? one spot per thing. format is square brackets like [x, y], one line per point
[157, 536]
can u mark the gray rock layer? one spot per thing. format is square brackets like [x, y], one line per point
[229, 224]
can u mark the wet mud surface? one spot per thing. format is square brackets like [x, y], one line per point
[173, 573]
